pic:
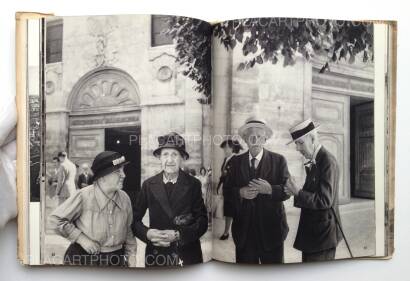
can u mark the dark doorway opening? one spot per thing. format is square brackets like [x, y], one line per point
[362, 147]
[126, 140]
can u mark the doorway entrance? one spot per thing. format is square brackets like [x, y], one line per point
[362, 148]
[126, 140]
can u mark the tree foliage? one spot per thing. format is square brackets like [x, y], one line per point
[267, 40]
[193, 46]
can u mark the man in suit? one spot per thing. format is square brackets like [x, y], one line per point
[318, 233]
[256, 179]
[177, 214]
[66, 177]
[85, 178]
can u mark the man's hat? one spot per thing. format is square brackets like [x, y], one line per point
[171, 140]
[302, 129]
[255, 122]
[107, 162]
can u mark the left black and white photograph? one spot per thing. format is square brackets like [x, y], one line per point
[127, 171]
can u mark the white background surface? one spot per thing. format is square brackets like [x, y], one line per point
[394, 269]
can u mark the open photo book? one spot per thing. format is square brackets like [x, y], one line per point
[167, 141]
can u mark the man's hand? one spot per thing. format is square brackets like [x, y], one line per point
[88, 245]
[161, 238]
[172, 235]
[248, 192]
[290, 187]
[261, 185]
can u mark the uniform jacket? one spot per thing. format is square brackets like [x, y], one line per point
[186, 199]
[318, 229]
[270, 212]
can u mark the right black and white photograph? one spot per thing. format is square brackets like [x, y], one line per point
[294, 177]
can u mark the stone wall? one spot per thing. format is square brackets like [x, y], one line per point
[167, 100]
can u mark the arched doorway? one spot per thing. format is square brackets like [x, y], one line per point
[105, 115]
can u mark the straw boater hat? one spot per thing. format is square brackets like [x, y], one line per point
[255, 122]
[107, 162]
[171, 140]
[301, 130]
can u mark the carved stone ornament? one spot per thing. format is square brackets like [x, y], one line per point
[164, 73]
[105, 88]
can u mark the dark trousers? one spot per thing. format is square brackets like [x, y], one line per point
[253, 256]
[324, 255]
[253, 251]
[76, 255]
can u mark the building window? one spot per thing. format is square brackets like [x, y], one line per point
[159, 25]
[54, 41]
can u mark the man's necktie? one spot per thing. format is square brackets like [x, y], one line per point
[253, 168]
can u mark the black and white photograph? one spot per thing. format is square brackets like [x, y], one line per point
[167, 141]
[297, 97]
[127, 173]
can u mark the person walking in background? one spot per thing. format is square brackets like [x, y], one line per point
[318, 233]
[66, 186]
[52, 177]
[231, 148]
[85, 178]
[205, 178]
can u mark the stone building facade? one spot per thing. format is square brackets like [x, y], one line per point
[112, 85]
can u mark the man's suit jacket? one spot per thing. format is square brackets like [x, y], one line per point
[270, 212]
[186, 198]
[318, 229]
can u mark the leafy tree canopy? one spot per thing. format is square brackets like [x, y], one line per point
[265, 40]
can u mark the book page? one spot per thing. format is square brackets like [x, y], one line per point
[301, 97]
[128, 98]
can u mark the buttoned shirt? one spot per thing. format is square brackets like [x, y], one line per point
[257, 159]
[104, 220]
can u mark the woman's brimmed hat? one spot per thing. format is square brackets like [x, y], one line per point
[231, 143]
[255, 122]
[107, 162]
[171, 140]
[302, 129]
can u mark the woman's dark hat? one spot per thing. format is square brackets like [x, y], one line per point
[171, 140]
[231, 143]
[107, 162]
[62, 154]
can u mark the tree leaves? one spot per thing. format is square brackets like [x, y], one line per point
[193, 48]
[267, 40]
[268, 36]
